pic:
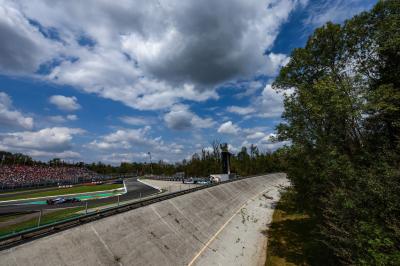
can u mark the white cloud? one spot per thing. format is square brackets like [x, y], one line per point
[269, 143]
[136, 120]
[335, 11]
[181, 118]
[148, 55]
[271, 102]
[248, 88]
[268, 138]
[53, 140]
[65, 103]
[267, 105]
[61, 119]
[228, 128]
[256, 135]
[62, 155]
[10, 117]
[72, 117]
[241, 110]
[117, 158]
[273, 146]
[23, 48]
[57, 119]
[264, 141]
[233, 149]
[276, 62]
[125, 139]
[132, 143]
[153, 54]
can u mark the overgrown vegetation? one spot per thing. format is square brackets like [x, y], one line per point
[291, 240]
[342, 115]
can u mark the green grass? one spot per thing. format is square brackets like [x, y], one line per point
[63, 191]
[21, 190]
[8, 217]
[290, 236]
[46, 219]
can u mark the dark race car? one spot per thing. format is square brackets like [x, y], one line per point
[62, 200]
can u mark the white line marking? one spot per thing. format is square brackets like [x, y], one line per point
[219, 231]
[148, 184]
[126, 190]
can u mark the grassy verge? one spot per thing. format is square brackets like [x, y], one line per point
[24, 190]
[8, 217]
[290, 237]
[47, 218]
[63, 191]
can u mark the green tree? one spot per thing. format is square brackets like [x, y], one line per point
[342, 116]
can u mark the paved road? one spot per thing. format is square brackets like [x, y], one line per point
[135, 189]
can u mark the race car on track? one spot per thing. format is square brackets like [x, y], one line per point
[62, 200]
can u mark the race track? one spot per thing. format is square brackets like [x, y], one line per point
[135, 189]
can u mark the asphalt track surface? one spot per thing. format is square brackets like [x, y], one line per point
[135, 190]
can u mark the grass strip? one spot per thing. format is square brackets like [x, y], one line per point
[47, 218]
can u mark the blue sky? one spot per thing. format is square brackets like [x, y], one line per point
[97, 80]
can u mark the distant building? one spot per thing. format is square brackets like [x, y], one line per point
[225, 166]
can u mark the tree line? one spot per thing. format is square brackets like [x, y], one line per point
[248, 161]
[342, 116]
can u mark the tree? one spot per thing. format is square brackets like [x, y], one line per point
[342, 116]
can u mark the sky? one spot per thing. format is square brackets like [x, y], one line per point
[110, 81]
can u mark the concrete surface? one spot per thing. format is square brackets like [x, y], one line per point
[243, 240]
[169, 186]
[171, 232]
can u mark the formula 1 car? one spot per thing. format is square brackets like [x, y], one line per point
[62, 200]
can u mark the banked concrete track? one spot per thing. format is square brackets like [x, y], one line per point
[171, 232]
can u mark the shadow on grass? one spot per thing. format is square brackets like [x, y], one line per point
[291, 240]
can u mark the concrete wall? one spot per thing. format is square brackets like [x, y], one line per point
[166, 233]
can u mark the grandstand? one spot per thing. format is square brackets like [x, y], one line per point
[26, 176]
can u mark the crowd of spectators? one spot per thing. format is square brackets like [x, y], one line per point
[32, 175]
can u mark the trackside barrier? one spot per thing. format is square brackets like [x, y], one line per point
[28, 235]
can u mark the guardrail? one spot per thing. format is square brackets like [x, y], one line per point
[28, 235]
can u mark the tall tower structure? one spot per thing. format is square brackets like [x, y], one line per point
[226, 159]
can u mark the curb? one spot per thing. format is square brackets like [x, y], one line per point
[150, 185]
